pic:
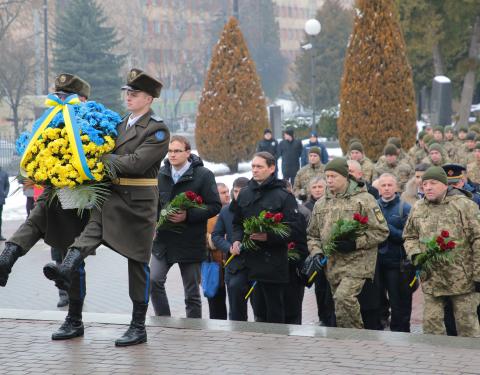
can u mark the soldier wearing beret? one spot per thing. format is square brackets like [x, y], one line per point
[314, 168]
[48, 220]
[354, 260]
[126, 222]
[447, 208]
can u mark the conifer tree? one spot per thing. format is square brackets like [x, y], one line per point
[232, 111]
[377, 98]
[83, 46]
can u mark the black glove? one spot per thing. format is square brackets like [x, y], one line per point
[477, 286]
[311, 264]
[345, 246]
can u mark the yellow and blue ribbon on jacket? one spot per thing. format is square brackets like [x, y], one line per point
[55, 104]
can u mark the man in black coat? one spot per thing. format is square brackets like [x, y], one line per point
[268, 144]
[290, 150]
[268, 265]
[186, 243]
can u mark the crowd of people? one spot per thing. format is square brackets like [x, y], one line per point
[364, 280]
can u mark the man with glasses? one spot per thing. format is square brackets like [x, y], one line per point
[185, 244]
[126, 222]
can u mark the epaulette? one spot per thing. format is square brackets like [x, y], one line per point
[156, 118]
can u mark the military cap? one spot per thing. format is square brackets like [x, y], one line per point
[390, 149]
[463, 130]
[138, 80]
[338, 165]
[315, 150]
[421, 134]
[71, 84]
[454, 172]
[428, 138]
[435, 173]
[438, 129]
[448, 128]
[471, 136]
[356, 146]
[437, 147]
[267, 130]
[352, 140]
[395, 141]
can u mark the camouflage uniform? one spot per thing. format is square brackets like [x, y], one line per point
[402, 170]
[473, 172]
[461, 217]
[367, 169]
[347, 273]
[443, 160]
[304, 176]
[402, 156]
[451, 151]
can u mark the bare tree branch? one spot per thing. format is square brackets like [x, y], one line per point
[9, 11]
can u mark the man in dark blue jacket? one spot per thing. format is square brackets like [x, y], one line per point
[391, 254]
[268, 265]
[313, 142]
[186, 246]
[236, 277]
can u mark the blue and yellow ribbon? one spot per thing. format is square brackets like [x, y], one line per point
[55, 104]
[250, 290]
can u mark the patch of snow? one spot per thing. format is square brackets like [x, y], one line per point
[442, 79]
[14, 208]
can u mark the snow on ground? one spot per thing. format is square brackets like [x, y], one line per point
[14, 208]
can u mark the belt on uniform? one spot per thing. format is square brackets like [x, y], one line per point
[135, 181]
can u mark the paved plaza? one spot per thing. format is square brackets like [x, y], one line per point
[28, 315]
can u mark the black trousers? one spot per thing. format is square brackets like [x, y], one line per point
[399, 297]
[325, 304]
[294, 293]
[217, 306]
[237, 288]
[268, 302]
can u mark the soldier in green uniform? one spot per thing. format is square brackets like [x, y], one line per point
[48, 220]
[393, 165]
[354, 260]
[126, 222]
[473, 168]
[447, 208]
[356, 153]
[437, 155]
[313, 169]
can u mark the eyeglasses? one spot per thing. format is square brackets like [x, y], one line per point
[175, 151]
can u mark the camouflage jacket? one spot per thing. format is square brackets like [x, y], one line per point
[460, 216]
[442, 161]
[331, 208]
[304, 176]
[402, 170]
[473, 172]
[367, 169]
[451, 150]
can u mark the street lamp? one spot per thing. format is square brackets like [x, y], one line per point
[312, 28]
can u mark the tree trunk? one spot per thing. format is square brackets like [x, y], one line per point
[15, 121]
[233, 166]
[437, 60]
[469, 80]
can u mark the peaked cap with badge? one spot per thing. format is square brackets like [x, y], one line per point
[72, 84]
[138, 80]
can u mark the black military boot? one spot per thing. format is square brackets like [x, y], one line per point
[73, 325]
[136, 333]
[62, 274]
[7, 259]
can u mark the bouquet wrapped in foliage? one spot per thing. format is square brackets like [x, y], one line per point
[345, 230]
[65, 147]
[265, 222]
[181, 202]
[439, 250]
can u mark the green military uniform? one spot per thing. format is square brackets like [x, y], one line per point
[461, 218]
[301, 187]
[439, 148]
[473, 172]
[401, 169]
[347, 272]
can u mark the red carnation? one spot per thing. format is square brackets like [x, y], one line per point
[291, 245]
[445, 234]
[198, 199]
[451, 245]
[440, 240]
[278, 217]
[269, 215]
[357, 217]
[364, 220]
[190, 195]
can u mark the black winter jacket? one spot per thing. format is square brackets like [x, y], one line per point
[190, 245]
[270, 146]
[269, 263]
[290, 152]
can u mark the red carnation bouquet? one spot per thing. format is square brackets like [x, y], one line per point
[181, 202]
[439, 250]
[265, 222]
[344, 230]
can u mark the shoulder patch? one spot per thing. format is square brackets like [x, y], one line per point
[160, 135]
[156, 118]
[378, 214]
